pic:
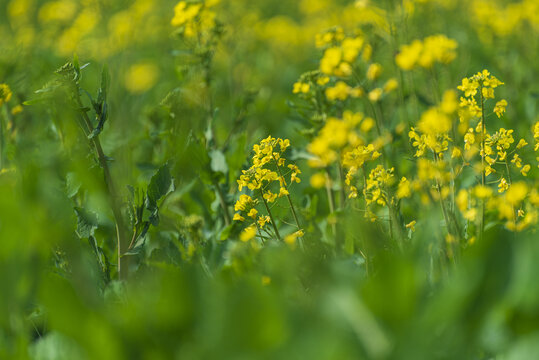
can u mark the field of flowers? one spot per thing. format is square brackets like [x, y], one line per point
[310, 179]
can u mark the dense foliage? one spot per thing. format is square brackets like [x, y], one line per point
[244, 179]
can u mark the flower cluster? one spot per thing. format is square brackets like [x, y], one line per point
[354, 160]
[192, 18]
[269, 166]
[483, 84]
[433, 129]
[436, 48]
[338, 59]
[335, 136]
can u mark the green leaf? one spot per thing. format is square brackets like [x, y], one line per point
[218, 161]
[225, 234]
[72, 184]
[160, 185]
[56, 346]
[86, 222]
[105, 83]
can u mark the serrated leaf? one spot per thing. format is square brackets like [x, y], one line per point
[160, 185]
[86, 222]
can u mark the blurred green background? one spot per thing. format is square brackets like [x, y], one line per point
[227, 299]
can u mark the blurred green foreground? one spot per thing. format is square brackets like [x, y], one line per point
[194, 291]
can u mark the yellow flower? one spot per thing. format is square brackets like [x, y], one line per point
[184, 13]
[252, 213]
[404, 190]
[525, 169]
[322, 80]
[263, 220]
[411, 225]
[248, 233]
[238, 217]
[436, 48]
[5, 94]
[499, 108]
[375, 94]
[301, 87]
[16, 110]
[521, 144]
[516, 192]
[503, 185]
[331, 59]
[291, 238]
[141, 77]
[488, 93]
[374, 71]
[318, 180]
[283, 192]
[469, 87]
[269, 196]
[482, 192]
[338, 92]
[391, 85]
[462, 200]
[244, 202]
[350, 48]
[409, 54]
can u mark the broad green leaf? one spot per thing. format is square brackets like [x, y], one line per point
[160, 185]
[86, 222]
[218, 161]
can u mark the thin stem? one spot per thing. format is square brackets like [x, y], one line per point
[508, 172]
[287, 195]
[4, 120]
[270, 215]
[222, 201]
[483, 175]
[342, 195]
[113, 196]
[331, 201]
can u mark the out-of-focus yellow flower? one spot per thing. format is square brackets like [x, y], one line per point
[248, 233]
[482, 192]
[391, 85]
[404, 190]
[516, 193]
[374, 71]
[375, 94]
[61, 11]
[184, 12]
[436, 48]
[291, 238]
[411, 225]
[318, 180]
[141, 77]
[300, 87]
[340, 91]
[5, 94]
[16, 110]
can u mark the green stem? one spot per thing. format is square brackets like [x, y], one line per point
[483, 173]
[331, 201]
[114, 198]
[2, 145]
[270, 215]
[287, 195]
